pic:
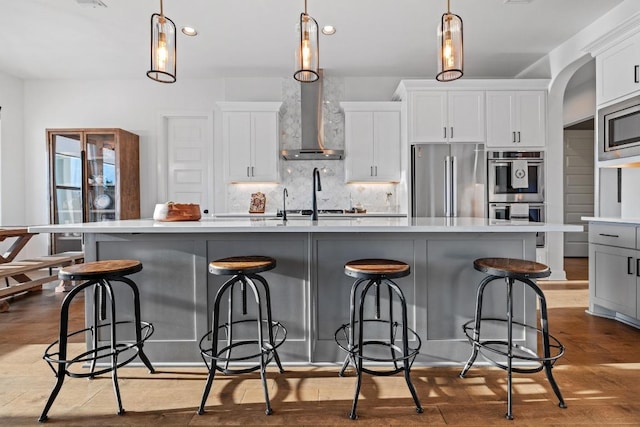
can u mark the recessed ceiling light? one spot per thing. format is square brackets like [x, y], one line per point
[189, 31]
[328, 30]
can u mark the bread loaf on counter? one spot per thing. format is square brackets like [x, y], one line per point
[177, 212]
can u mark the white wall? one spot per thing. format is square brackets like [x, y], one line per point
[134, 105]
[580, 95]
[12, 160]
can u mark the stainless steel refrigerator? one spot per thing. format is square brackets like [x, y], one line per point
[448, 180]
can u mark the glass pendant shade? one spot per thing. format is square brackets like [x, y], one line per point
[450, 54]
[163, 49]
[307, 56]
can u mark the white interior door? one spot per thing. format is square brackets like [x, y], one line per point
[189, 159]
[578, 188]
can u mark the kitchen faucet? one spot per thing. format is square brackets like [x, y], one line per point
[285, 194]
[316, 186]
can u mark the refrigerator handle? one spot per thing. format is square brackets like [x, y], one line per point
[454, 186]
[447, 186]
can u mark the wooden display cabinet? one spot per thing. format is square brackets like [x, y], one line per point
[93, 176]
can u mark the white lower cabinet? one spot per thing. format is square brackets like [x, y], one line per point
[372, 141]
[614, 276]
[250, 141]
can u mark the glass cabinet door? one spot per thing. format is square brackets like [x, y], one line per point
[101, 176]
[66, 176]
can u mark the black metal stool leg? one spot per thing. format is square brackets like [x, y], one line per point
[352, 320]
[61, 372]
[138, 322]
[509, 414]
[476, 331]
[263, 355]
[214, 347]
[359, 360]
[405, 344]
[235, 279]
[392, 329]
[98, 302]
[272, 343]
[107, 294]
[544, 320]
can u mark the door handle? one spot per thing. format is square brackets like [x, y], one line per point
[519, 137]
[638, 267]
[370, 170]
[248, 171]
[451, 132]
[629, 265]
[636, 78]
[444, 129]
[252, 174]
[513, 134]
[376, 170]
[609, 235]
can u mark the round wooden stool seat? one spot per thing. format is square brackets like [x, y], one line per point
[372, 268]
[242, 265]
[511, 267]
[95, 269]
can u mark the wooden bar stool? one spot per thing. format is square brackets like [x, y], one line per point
[376, 273]
[244, 271]
[101, 276]
[512, 270]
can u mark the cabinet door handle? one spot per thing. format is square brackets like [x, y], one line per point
[376, 170]
[513, 134]
[444, 129]
[370, 170]
[636, 77]
[252, 173]
[519, 136]
[248, 171]
[451, 132]
[638, 267]
[629, 265]
[609, 235]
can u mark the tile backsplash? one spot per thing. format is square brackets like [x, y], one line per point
[296, 175]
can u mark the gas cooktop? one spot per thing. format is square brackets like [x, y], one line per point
[308, 212]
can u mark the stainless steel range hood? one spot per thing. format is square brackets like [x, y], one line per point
[312, 123]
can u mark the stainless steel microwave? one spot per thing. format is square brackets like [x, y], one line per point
[619, 130]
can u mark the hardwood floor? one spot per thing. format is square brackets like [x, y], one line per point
[599, 377]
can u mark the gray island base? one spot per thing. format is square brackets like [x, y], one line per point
[309, 290]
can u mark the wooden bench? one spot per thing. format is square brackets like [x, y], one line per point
[21, 269]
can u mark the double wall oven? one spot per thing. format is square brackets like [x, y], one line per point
[515, 187]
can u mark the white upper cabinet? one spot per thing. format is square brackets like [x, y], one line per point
[446, 116]
[516, 119]
[372, 141]
[250, 141]
[618, 70]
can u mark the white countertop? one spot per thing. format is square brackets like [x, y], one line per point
[611, 220]
[320, 215]
[337, 224]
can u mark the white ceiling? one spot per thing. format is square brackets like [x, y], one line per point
[59, 39]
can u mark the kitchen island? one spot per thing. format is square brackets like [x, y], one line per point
[309, 291]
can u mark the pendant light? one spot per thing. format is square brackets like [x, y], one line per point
[163, 48]
[307, 53]
[450, 55]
